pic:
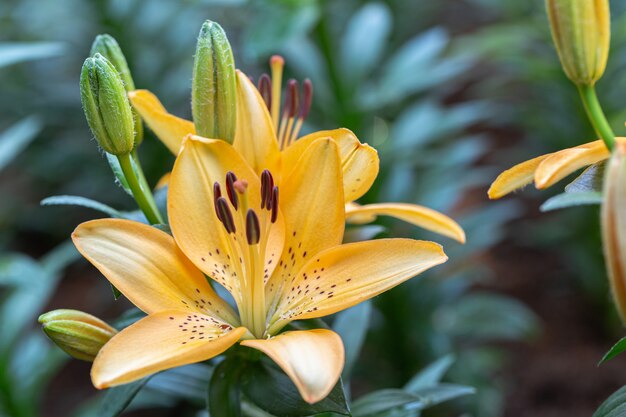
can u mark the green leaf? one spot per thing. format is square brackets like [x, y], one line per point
[361, 233]
[571, 199]
[16, 52]
[617, 348]
[614, 406]
[224, 389]
[440, 393]
[431, 375]
[73, 200]
[590, 180]
[116, 399]
[16, 138]
[270, 389]
[352, 326]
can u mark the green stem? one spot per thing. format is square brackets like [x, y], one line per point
[143, 197]
[596, 115]
[143, 183]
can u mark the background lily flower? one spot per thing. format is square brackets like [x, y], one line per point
[257, 140]
[547, 170]
[281, 259]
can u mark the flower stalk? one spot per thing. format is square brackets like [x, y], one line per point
[143, 196]
[596, 115]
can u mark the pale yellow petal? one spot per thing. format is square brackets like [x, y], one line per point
[255, 138]
[161, 341]
[311, 201]
[343, 276]
[561, 164]
[168, 128]
[359, 161]
[411, 213]
[146, 265]
[517, 177]
[313, 359]
[195, 226]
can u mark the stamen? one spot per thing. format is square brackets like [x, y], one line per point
[277, 64]
[253, 230]
[225, 215]
[267, 183]
[289, 112]
[292, 90]
[217, 193]
[265, 88]
[305, 107]
[274, 204]
[231, 178]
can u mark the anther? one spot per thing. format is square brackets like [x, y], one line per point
[305, 107]
[292, 98]
[274, 204]
[267, 183]
[253, 230]
[217, 193]
[265, 88]
[230, 189]
[225, 215]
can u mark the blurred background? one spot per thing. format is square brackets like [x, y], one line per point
[450, 92]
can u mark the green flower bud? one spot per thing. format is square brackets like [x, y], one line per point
[107, 46]
[106, 106]
[79, 334]
[213, 91]
[581, 31]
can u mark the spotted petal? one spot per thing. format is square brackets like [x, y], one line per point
[313, 359]
[561, 164]
[514, 178]
[359, 162]
[343, 276]
[418, 215]
[255, 138]
[161, 341]
[313, 208]
[169, 129]
[147, 266]
[195, 226]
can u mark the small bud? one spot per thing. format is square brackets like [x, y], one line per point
[79, 334]
[106, 106]
[581, 32]
[613, 219]
[107, 46]
[213, 91]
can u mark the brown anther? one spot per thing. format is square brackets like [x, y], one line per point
[217, 193]
[225, 215]
[305, 107]
[265, 88]
[291, 98]
[267, 183]
[231, 178]
[274, 204]
[241, 186]
[253, 230]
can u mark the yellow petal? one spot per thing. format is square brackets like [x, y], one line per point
[255, 138]
[169, 129]
[161, 341]
[145, 264]
[561, 164]
[195, 226]
[517, 177]
[311, 200]
[418, 215]
[313, 359]
[359, 161]
[343, 276]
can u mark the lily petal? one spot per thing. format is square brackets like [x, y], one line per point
[313, 359]
[169, 129]
[195, 226]
[514, 178]
[255, 138]
[359, 161]
[313, 208]
[147, 266]
[417, 215]
[561, 164]
[161, 341]
[343, 276]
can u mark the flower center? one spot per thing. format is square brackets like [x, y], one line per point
[295, 107]
[248, 235]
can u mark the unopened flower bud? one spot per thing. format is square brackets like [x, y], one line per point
[107, 46]
[213, 91]
[613, 219]
[106, 106]
[79, 334]
[581, 32]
